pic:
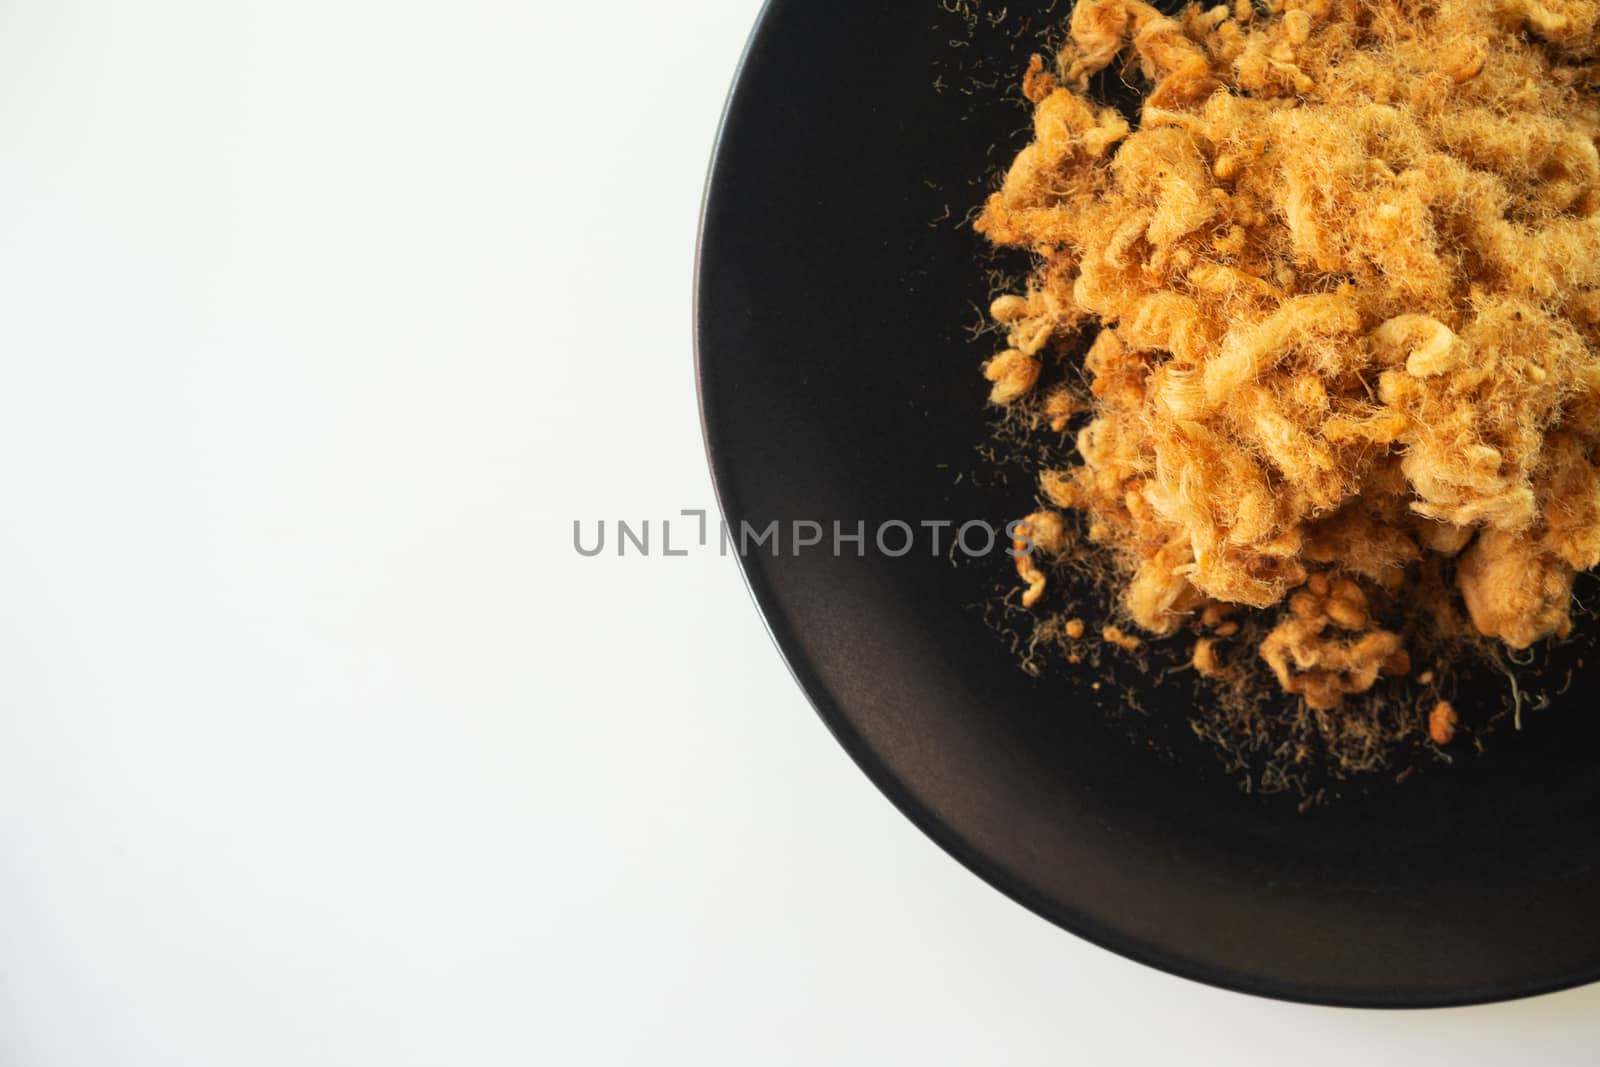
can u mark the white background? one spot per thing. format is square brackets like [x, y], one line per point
[321, 322]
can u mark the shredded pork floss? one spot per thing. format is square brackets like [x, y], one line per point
[1337, 299]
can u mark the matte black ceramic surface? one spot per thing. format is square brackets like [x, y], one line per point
[837, 382]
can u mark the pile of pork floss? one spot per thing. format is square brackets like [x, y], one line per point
[1336, 301]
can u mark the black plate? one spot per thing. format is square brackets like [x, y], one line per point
[837, 382]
